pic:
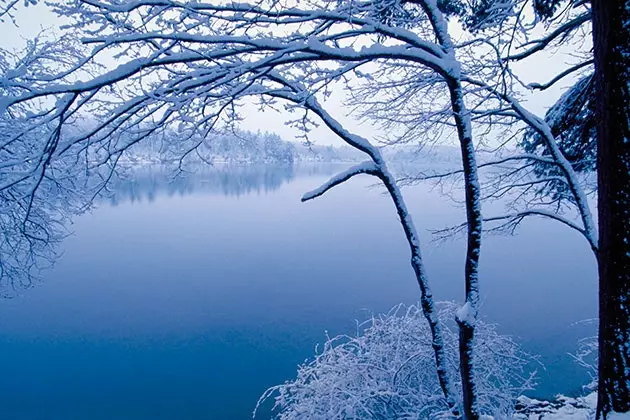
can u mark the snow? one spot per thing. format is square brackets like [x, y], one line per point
[466, 314]
[564, 408]
[589, 228]
[184, 91]
[363, 168]
[389, 357]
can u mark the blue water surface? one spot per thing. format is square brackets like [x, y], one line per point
[186, 299]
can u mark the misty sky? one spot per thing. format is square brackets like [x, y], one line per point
[33, 20]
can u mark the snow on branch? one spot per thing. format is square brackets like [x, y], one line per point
[561, 75]
[387, 371]
[509, 222]
[440, 175]
[516, 218]
[367, 167]
[293, 91]
[561, 32]
[540, 126]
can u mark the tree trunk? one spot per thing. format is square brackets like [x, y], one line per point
[611, 36]
[426, 297]
[467, 315]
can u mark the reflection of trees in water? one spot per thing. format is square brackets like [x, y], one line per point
[228, 180]
[32, 226]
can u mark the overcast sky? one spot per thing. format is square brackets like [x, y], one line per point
[35, 19]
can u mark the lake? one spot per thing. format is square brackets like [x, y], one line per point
[187, 298]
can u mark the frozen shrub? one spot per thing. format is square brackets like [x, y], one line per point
[388, 371]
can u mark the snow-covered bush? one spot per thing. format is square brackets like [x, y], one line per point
[388, 371]
[587, 355]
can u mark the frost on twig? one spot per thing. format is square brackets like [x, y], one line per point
[388, 371]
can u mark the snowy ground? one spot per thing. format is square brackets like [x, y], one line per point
[563, 408]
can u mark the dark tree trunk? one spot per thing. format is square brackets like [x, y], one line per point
[611, 36]
[467, 316]
[426, 297]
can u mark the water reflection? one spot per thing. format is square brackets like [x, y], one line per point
[190, 307]
[229, 180]
[30, 243]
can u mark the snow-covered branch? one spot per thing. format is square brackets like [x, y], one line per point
[387, 371]
[562, 31]
[363, 168]
[515, 218]
[186, 67]
[561, 75]
[542, 128]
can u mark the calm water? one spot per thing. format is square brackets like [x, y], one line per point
[187, 299]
